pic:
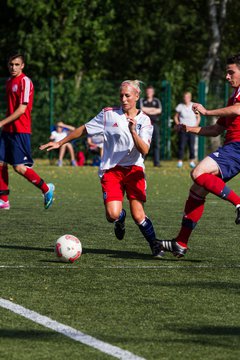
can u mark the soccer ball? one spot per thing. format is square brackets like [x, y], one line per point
[68, 248]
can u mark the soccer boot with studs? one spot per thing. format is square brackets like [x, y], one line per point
[173, 247]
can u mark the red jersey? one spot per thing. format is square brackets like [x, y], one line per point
[231, 124]
[19, 91]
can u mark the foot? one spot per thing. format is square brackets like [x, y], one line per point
[237, 221]
[157, 251]
[73, 163]
[192, 164]
[4, 205]
[119, 227]
[179, 164]
[59, 163]
[172, 246]
[48, 196]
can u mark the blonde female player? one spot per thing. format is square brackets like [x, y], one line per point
[127, 135]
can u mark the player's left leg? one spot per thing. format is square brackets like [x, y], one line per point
[36, 180]
[145, 226]
[207, 175]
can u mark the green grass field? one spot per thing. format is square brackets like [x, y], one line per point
[169, 309]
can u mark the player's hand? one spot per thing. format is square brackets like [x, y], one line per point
[180, 128]
[198, 108]
[132, 124]
[50, 146]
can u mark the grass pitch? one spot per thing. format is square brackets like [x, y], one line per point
[116, 292]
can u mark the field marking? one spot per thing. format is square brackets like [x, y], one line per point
[69, 331]
[160, 266]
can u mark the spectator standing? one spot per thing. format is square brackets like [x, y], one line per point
[153, 108]
[186, 116]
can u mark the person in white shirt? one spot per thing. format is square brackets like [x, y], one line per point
[127, 135]
[186, 116]
[62, 131]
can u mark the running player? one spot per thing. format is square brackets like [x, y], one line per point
[15, 147]
[212, 173]
[127, 136]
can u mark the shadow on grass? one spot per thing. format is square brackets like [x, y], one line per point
[32, 248]
[27, 334]
[122, 254]
[216, 336]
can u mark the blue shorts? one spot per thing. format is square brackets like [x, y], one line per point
[227, 158]
[15, 148]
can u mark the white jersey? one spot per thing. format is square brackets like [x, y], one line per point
[186, 114]
[58, 136]
[119, 148]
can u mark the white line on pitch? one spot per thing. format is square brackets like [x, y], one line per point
[160, 266]
[69, 331]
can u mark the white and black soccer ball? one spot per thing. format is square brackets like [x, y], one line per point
[68, 248]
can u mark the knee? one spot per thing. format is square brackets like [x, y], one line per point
[195, 173]
[20, 169]
[112, 215]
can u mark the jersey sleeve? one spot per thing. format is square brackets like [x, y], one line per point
[25, 90]
[96, 125]
[178, 108]
[159, 104]
[146, 131]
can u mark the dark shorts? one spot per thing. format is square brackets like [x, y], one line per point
[227, 158]
[15, 149]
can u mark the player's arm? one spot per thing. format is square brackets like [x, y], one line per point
[140, 144]
[228, 111]
[14, 116]
[78, 132]
[212, 130]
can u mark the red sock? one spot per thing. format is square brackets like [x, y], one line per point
[4, 182]
[35, 179]
[192, 213]
[217, 186]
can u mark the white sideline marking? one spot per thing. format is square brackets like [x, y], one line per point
[160, 266]
[69, 331]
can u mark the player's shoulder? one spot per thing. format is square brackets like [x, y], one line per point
[25, 78]
[112, 108]
[143, 117]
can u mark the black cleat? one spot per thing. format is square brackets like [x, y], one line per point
[172, 246]
[119, 227]
[237, 221]
[157, 251]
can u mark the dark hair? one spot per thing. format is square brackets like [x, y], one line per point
[150, 87]
[234, 59]
[15, 55]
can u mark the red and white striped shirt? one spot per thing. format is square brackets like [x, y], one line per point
[19, 91]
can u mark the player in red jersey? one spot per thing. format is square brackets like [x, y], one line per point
[212, 173]
[15, 145]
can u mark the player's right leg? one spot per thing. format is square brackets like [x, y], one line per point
[193, 211]
[113, 194]
[4, 190]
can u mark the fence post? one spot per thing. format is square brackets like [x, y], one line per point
[202, 100]
[51, 109]
[165, 141]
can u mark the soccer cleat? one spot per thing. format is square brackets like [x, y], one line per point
[237, 221]
[119, 227]
[4, 205]
[48, 196]
[172, 246]
[157, 251]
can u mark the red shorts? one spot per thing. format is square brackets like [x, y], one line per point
[119, 179]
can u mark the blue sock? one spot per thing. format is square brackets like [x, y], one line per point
[122, 216]
[146, 228]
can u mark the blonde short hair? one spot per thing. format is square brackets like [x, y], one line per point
[135, 84]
